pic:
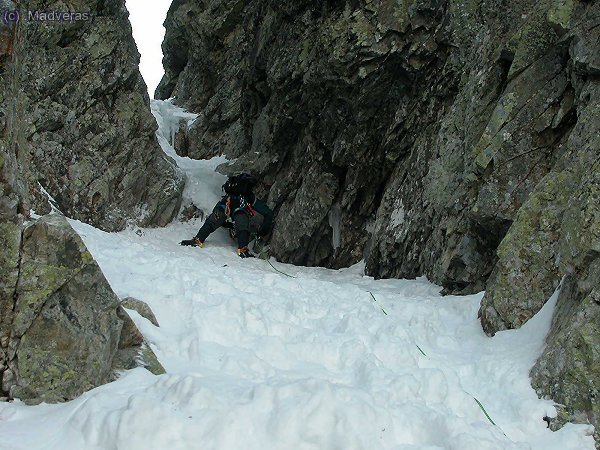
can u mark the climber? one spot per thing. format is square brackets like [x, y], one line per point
[241, 212]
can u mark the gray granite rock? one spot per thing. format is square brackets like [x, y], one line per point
[134, 350]
[65, 329]
[89, 131]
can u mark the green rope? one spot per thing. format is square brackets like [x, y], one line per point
[423, 353]
[478, 402]
[421, 350]
[484, 411]
[283, 273]
[265, 254]
[375, 300]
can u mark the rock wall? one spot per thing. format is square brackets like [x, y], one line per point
[567, 371]
[416, 129]
[90, 133]
[449, 138]
[65, 329]
[75, 120]
[14, 202]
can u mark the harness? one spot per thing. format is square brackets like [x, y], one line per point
[244, 207]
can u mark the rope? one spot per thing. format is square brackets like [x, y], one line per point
[283, 273]
[421, 350]
[264, 254]
[474, 398]
[484, 411]
[375, 300]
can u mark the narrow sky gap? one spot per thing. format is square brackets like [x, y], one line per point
[147, 23]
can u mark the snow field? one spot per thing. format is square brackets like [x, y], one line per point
[258, 360]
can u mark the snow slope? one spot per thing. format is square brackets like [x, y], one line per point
[306, 359]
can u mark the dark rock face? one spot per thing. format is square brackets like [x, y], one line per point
[314, 98]
[453, 139]
[427, 123]
[14, 201]
[89, 130]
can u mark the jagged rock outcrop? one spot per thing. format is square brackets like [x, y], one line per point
[556, 232]
[453, 139]
[89, 130]
[568, 370]
[65, 331]
[14, 202]
[64, 328]
[134, 350]
[556, 235]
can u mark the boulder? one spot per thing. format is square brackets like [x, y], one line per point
[65, 328]
[134, 350]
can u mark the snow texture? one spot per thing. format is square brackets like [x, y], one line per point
[330, 359]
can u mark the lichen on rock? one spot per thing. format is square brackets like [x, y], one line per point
[65, 327]
[90, 134]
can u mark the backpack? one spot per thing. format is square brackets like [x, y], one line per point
[240, 184]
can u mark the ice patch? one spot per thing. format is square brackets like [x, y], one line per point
[170, 118]
[335, 214]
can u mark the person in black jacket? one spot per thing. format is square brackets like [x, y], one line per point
[240, 211]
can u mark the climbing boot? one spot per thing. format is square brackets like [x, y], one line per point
[243, 252]
[195, 242]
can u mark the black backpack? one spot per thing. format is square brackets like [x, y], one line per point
[240, 184]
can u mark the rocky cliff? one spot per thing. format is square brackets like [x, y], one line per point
[89, 131]
[76, 127]
[449, 138]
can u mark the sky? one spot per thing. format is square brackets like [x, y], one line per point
[261, 355]
[147, 19]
